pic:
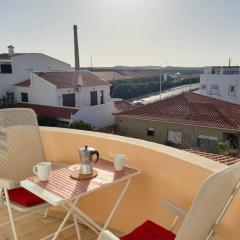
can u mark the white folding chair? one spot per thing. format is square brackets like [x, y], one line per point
[20, 149]
[207, 210]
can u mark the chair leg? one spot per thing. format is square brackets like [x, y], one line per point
[46, 213]
[10, 214]
[174, 223]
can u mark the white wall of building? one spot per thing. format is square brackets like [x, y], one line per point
[61, 91]
[84, 97]
[20, 90]
[83, 94]
[23, 65]
[43, 92]
[209, 82]
[40, 92]
[5, 79]
[98, 116]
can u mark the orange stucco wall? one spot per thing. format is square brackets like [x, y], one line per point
[166, 173]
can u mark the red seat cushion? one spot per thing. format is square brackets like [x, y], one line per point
[149, 231]
[24, 197]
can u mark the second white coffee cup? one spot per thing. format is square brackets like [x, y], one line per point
[42, 170]
[119, 161]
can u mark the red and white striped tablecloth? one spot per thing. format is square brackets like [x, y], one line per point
[62, 185]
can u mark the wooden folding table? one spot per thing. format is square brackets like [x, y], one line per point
[61, 190]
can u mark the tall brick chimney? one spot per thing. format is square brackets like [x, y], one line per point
[76, 51]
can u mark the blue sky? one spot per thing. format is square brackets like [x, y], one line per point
[125, 32]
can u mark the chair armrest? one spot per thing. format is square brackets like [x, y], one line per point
[174, 208]
[6, 183]
[106, 235]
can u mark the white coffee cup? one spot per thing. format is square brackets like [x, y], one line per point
[119, 161]
[42, 170]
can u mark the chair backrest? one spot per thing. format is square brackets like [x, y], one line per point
[210, 204]
[20, 143]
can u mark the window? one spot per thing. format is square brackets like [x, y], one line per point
[6, 68]
[102, 97]
[214, 90]
[175, 137]
[207, 143]
[150, 131]
[203, 87]
[216, 70]
[94, 100]
[24, 97]
[231, 91]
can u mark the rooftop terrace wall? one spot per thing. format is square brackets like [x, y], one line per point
[167, 173]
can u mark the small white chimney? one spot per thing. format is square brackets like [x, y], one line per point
[80, 81]
[10, 50]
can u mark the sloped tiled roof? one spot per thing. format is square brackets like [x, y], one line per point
[190, 109]
[228, 160]
[25, 83]
[110, 75]
[50, 111]
[123, 105]
[69, 79]
[126, 74]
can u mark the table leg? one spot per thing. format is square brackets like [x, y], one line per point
[86, 219]
[62, 225]
[78, 214]
[70, 211]
[77, 227]
[90, 223]
[117, 204]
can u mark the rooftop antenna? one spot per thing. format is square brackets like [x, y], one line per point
[229, 62]
[91, 61]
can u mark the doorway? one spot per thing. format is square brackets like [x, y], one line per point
[68, 100]
[94, 100]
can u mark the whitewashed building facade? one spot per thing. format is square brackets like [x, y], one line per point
[222, 83]
[82, 94]
[53, 89]
[17, 67]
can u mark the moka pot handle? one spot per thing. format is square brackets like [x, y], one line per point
[96, 153]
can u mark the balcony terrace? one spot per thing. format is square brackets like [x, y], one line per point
[166, 173]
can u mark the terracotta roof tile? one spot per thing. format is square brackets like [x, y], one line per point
[50, 111]
[190, 108]
[123, 105]
[112, 75]
[228, 160]
[71, 79]
[25, 83]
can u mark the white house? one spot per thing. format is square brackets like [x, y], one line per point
[64, 88]
[17, 67]
[222, 83]
[70, 96]
[53, 89]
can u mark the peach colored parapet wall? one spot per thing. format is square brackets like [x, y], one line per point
[167, 173]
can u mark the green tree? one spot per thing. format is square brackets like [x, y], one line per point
[49, 121]
[7, 100]
[225, 148]
[81, 125]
